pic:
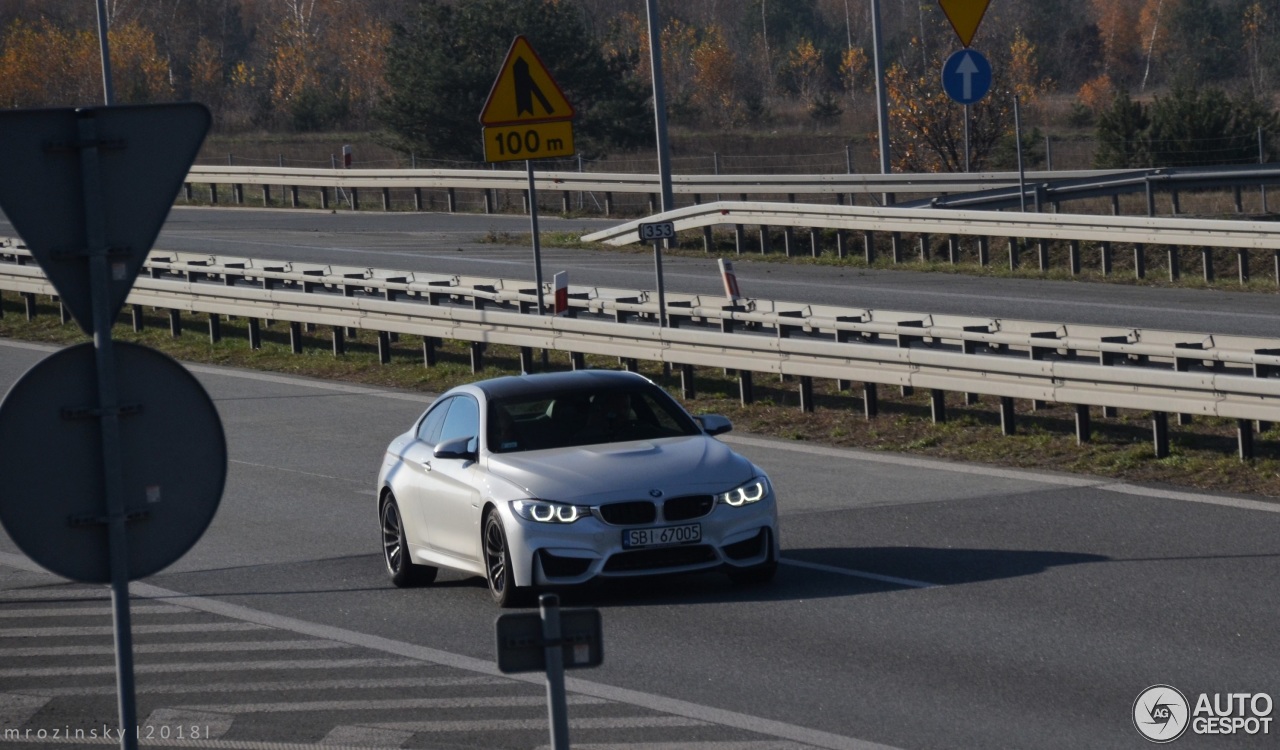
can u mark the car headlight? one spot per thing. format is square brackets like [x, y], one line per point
[546, 512]
[752, 492]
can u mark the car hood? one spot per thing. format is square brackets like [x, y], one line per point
[598, 473]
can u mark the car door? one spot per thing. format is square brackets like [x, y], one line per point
[414, 489]
[452, 511]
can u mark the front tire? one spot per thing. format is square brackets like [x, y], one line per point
[395, 550]
[497, 564]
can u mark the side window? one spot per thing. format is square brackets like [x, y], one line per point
[430, 427]
[463, 421]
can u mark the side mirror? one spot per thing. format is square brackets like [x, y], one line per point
[714, 424]
[455, 448]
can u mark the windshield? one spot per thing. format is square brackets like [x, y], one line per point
[585, 417]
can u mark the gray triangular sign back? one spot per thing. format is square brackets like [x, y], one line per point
[143, 153]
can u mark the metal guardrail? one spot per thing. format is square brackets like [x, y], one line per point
[1159, 371]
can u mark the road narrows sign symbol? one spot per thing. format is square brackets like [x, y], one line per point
[524, 92]
[965, 16]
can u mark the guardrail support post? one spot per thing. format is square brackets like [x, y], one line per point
[1140, 260]
[1160, 433]
[565, 202]
[1073, 257]
[895, 241]
[186, 191]
[984, 250]
[477, 357]
[488, 203]
[417, 199]
[1105, 257]
[1239, 205]
[384, 347]
[1007, 425]
[1275, 256]
[1206, 255]
[215, 328]
[526, 360]
[1175, 264]
[842, 244]
[1015, 251]
[706, 239]
[295, 337]
[577, 361]
[764, 240]
[29, 304]
[386, 199]
[869, 247]
[238, 192]
[687, 390]
[1242, 263]
[806, 394]
[1244, 433]
[870, 400]
[739, 238]
[608, 204]
[924, 248]
[324, 197]
[266, 196]
[255, 334]
[745, 391]
[1177, 203]
[953, 249]
[64, 315]
[938, 405]
[175, 323]
[339, 342]
[293, 196]
[815, 243]
[789, 241]
[213, 193]
[138, 321]
[1084, 430]
[355, 199]
[429, 344]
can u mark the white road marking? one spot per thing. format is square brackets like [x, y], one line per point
[137, 609]
[171, 723]
[61, 592]
[16, 710]
[218, 666]
[366, 737]
[1062, 480]
[711, 745]
[173, 648]
[575, 685]
[390, 704]
[273, 687]
[861, 574]
[58, 632]
[621, 722]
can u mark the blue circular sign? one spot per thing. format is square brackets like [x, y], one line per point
[966, 76]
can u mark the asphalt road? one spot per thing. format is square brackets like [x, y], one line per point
[920, 605]
[443, 243]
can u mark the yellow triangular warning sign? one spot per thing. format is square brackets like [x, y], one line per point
[965, 16]
[524, 91]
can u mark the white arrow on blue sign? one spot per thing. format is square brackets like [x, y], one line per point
[966, 76]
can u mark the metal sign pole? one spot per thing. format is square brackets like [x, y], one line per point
[662, 294]
[966, 138]
[557, 705]
[96, 232]
[1022, 174]
[108, 88]
[537, 240]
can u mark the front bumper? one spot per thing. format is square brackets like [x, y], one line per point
[554, 554]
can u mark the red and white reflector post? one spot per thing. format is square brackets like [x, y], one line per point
[561, 284]
[730, 281]
[346, 157]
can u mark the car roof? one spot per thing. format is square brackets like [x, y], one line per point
[520, 385]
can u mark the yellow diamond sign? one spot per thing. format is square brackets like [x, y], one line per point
[524, 91]
[965, 16]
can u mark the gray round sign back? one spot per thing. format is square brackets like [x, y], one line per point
[174, 462]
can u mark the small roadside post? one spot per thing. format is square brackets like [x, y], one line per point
[551, 640]
[657, 232]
